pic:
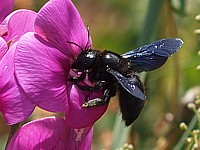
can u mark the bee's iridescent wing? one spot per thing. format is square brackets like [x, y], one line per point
[153, 55]
[128, 84]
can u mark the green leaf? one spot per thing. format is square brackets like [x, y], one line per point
[150, 21]
[120, 133]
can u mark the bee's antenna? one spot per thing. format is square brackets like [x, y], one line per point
[75, 44]
[88, 29]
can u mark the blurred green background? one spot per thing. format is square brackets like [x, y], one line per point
[121, 26]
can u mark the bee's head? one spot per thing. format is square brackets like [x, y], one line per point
[84, 60]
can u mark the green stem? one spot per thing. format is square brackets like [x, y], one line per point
[180, 144]
[195, 138]
[198, 116]
[173, 32]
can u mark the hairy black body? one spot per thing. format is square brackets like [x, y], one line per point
[113, 72]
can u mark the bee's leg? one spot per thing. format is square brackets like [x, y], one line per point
[100, 85]
[109, 92]
[98, 101]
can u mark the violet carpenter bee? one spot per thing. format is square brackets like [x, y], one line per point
[113, 72]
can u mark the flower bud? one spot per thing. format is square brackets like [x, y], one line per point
[195, 146]
[197, 18]
[125, 145]
[197, 31]
[189, 140]
[183, 126]
[191, 106]
[197, 102]
[197, 131]
[198, 110]
[130, 147]
[198, 67]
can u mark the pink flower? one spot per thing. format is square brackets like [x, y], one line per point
[43, 61]
[16, 24]
[5, 8]
[14, 104]
[51, 133]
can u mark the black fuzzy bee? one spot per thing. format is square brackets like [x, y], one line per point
[113, 72]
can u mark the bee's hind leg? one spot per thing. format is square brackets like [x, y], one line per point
[105, 98]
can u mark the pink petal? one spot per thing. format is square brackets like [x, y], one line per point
[3, 47]
[5, 8]
[18, 23]
[58, 22]
[42, 71]
[3, 30]
[14, 104]
[51, 133]
[78, 117]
